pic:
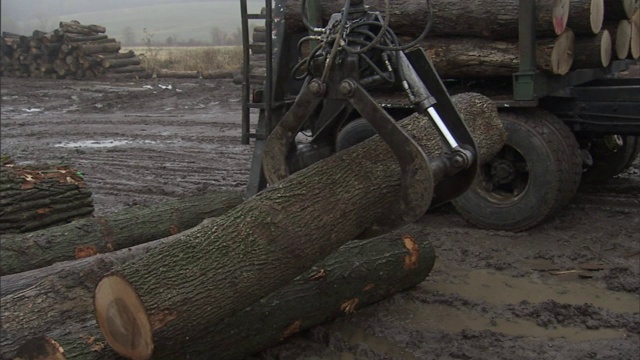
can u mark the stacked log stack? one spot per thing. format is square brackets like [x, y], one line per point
[56, 311]
[73, 50]
[35, 197]
[480, 38]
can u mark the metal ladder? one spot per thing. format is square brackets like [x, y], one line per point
[266, 105]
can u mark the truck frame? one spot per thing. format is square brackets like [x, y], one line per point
[561, 130]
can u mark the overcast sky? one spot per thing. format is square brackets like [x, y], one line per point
[182, 19]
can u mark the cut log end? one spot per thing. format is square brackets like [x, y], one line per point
[606, 48]
[623, 39]
[562, 53]
[596, 17]
[122, 318]
[560, 15]
[635, 36]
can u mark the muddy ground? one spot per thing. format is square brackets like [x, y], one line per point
[491, 295]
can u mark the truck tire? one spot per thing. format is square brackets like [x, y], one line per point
[572, 175]
[634, 154]
[535, 174]
[608, 163]
[353, 133]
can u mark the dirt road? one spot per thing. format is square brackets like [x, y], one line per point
[567, 289]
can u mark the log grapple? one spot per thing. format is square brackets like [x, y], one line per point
[355, 53]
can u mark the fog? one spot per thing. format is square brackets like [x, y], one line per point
[163, 19]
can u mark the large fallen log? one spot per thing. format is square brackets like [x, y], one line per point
[96, 235]
[36, 197]
[495, 19]
[360, 273]
[58, 304]
[466, 57]
[264, 243]
[55, 302]
[90, 49]
[75, 27]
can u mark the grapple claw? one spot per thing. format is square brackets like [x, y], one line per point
[274, 163]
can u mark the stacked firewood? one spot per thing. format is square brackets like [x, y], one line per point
[35, 197]
[479, 39]
[73, 50]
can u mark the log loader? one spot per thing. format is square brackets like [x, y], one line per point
[348, 78]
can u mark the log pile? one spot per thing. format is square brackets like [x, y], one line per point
[480, 38]
[72, 51]
[96, 235]
[58, 307]
[250, 272]
[36, 197]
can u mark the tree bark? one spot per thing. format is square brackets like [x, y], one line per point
[75, 27]
[586, 16]
[119, 55]
[51, 38]
[126, 228]
[619, 9]
[58, 306]
[114, 63]
[38, 197]
[593, 51]
[91, 46]
[264, 243]
[55, 301]
[81, 38]
[360, 273]
[495, 19]
[91, 49]
[458, 57]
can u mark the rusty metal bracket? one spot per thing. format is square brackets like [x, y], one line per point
[274, 163]
[417, 181]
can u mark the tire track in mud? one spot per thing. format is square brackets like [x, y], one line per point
[142, 175]
[134, 145]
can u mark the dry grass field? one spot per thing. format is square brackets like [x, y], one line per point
[195, 58]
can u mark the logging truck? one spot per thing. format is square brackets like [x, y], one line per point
[551, 67]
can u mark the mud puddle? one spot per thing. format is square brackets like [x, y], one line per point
[435, 317]
[538, 307]
[494, 288]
